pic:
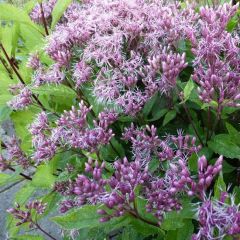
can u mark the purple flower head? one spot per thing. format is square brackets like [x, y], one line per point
[85, 189]
[183, 145]
[218, 219]
[161, 199]
[24, 215]
[146, 144]
[217, 58]
[3, 163]
[34, 62]
[45, 149]
[206, 173]
[65, 188]
[82, 73]
[53, 75]
[90, 189]
[43, 140]
[116, 38]
[75, 117]
[66, 205]
[15, 153]
[15, 89]
[36, 14]
[73, 129]
[40, 124]
[127, 176]
[22, 100]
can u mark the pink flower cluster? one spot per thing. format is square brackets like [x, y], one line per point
[22, 100]
[146, 144]
[125, 44]
[47, 7]
[216, 66]
[14, 155]
[26, 215]
[117, 193]
[71, 131]
[218, 218]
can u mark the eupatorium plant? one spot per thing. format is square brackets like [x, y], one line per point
[126, 113]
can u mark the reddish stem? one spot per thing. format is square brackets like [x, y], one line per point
[44, 20]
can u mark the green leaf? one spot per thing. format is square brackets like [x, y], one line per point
[9, 12]
[5, 112]
[44, 177]
[51, 199]
[186, 231]
[153, 165]
[188, 89]
[158, 114]
[84, 217]
[15, 37]
[32, 42]
[169, 116]
[7, 178]
[236, 192]
[231, 129]
[54, 90]
[141, 207]
[232, 24]
[223, 144]
[149, 104]
[117, 147]
[58, 11]
[24, 193]
[28, 237]
[129, 234]
[182, 233]
[219, 186]
[172, 221]
[5, 98]
[233, 132]
[175, 220]
[143, 228]
[21, 120]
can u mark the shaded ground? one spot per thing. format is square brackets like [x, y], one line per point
[7, 198]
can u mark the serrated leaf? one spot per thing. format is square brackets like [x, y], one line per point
[84, 217]
[232, 23]
[4, 98]
[44, 177]
[21, 120]
[231, 129]
[24, 193]
[153, 165]
[233, 132]
[143, 228]
[58, 10]
[219, 186]
[141, 207]
[188, 89]
[9, 12]
[223, 144]
[169, 117]
[149, 104]
[5, 112]
[158, 114]
[175, 220]
[54, 90]
[28, 237]
[186, 231]
[9, 178]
